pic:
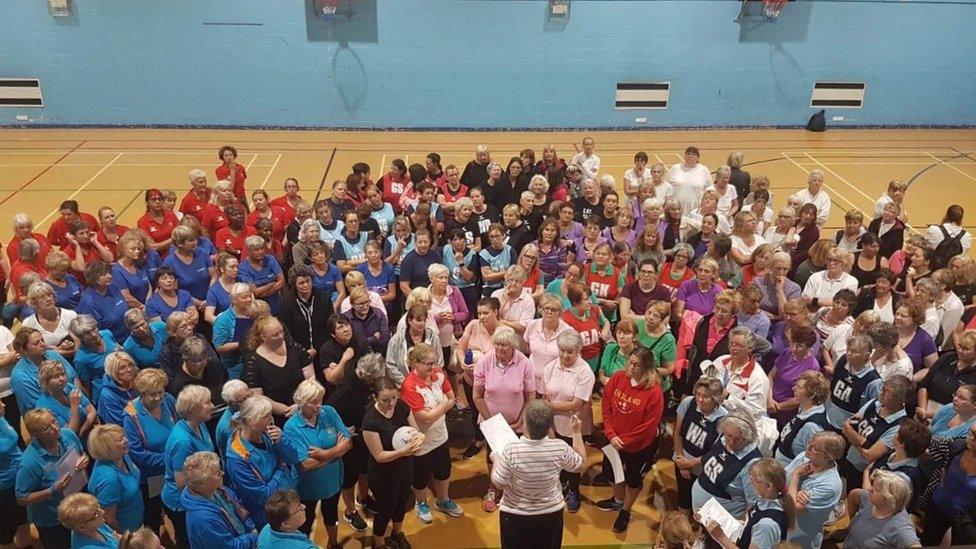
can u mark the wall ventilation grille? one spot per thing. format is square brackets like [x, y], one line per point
[642, 95]
[838, 95]
[20, 92]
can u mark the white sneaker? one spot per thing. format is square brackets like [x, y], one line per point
[423, 512]
[837, 513]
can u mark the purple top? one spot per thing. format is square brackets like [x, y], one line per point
[696, 300]
[769, 302]
[920, 347]
[639, 299]
[581, 254]
[630, 239]
[575, 231]
[788, 370]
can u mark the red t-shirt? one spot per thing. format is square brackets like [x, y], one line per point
[588, 329]
[605, 284]
[89, 252]
[194, 205]
[58, 232]
[666, 279]
[213, 220]
[14, 245]
[393, 190]
[158, 231]
[532, 281]
[112, 245]
[223, 173]
[278, 223]
[412, 390]
[631, 413]
[282, 202]
[19, 269]
[450, 196]
[224, 239]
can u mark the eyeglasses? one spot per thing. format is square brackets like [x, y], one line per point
[647, 272]
[550, 309]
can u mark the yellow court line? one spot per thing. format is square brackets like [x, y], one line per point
[248, 167]
[838, 176]
[658, 158]
[271, 171]
[826, 186]
[680, 158]
[78, 191]
[950, 166]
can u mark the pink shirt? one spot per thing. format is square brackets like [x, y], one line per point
[476, 338]
[445, 332]
[504, 384]
[521, 309]
[564, 385]
[542, 349]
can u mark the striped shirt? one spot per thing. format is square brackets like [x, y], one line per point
[528, 471]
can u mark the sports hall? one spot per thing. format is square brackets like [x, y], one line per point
[100, 102]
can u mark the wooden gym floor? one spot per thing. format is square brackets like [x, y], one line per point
[112, 167]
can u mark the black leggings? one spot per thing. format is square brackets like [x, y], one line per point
[330, 512]
[469, 393]
[572, 478]
[535, 531]
[636, 465]
[178, 518]
[154, 510]
[393, 494]
[937, 523]
[12, 413]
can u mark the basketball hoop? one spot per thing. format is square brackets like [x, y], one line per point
[772, 9]
[329, 8]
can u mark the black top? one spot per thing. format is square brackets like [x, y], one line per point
[584, 209]
[499, 194]
[944, 377]
[305, 321]
[485, 219]
[865, 278]
[519, 236]
[740, 180]
[470, 228]
[278, 384]
[376, 422]
[332, 351]
[474, 174]
[213, 378]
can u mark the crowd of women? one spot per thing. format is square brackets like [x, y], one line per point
[242, 365]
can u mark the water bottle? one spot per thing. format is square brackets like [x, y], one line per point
[468, 356]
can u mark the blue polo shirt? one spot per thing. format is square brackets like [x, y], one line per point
[283, 540]
[324, 482]
[62, 412]
[182, 443]
[195, 277]
[156, 306]
[327, 282]
[137, 283]
[10, 455]
[227, 328]
[224, 431]
[147, 357]
[218, 298]
[38, 472]
[825, 490]
[25, 380]
[91, 365]
[378, 283]
[107, 539]
[255, 473]
[263, 276]
[108, 310]
[147, 436]
[113, 486]
[69, 296]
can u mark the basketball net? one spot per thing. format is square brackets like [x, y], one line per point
[329, 8]
[772, 8]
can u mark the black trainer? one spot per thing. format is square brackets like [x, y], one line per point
[355, 520]
[367, 504]
[623, 520]
[609, 504]
[401, 540]
[472, 451]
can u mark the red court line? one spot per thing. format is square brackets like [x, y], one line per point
[42, 172]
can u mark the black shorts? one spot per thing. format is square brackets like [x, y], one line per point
[637, 464]
[354, 462]
[435, 463]
[13, 515]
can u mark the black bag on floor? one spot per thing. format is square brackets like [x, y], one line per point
[817, 123]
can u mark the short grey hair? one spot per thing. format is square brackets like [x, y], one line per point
[463, 202]
[437, 269]
[884, 334]
[859, 342]
[371, 367]
[538, 418]
[684, 248]
[311, 225]
[200, 467]
[516, 272]
[652, 202]
[115, 360]
[569, 341]
[781, 257]
[240, 288]
[723, 170]
[930, 286]
[191, 398]
[133, 317]
[307, 391]
[506, 335]
[195, 349]
[535, 178]
[746, 333]
[743, 422]
[28, 249]
[230, 392]
[253, 409]
[22, 220]
[254, 242]
[175, 320]
[481, 149]
[196, 174]
[83, 324]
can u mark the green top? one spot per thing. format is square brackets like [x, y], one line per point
[664, 347]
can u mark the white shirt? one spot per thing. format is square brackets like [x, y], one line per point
[932, 323]
[821, 201]
[886, 369]
[846, 243]
[820, 287]
[778, 240]
[885, 200]
[740, 245]
[689, 184]
[725, 200]
[54, 338]
[765, 221]
[836, 342]
[589, 164]
[632, 181]
[695, 220]
[934, 235]
[664, 191]
[748, 388]
[950, 312]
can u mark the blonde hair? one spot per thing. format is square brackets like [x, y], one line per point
[37, 419]
[677, 531]
[37, 292]
[116, 360]
[48, 370]
[101, 440]
[892, 488]
[307, 391]
[143, 538]
[201, 466]
[149, 379]
[190, 398]
[77, 509]
[816, 386]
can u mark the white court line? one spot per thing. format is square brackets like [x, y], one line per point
[382, 165]
[681, 159]
[950, 166]
[74, 194]
[271, 171]
[658, 158]
[248, 167]
[838, 176]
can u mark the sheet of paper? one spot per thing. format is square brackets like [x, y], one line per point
[66, 465]
[618, 467]
[498, 433]
[155, 486]
[713, 511]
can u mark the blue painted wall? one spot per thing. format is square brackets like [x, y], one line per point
[485, 63]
